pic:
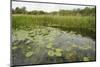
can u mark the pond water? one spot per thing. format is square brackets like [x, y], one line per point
[50, 45]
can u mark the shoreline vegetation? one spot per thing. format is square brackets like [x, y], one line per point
[84, 25]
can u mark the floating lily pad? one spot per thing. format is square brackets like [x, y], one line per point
[85, 59]
[74, 45]
[51, 53]
[49, 45]
[59, 54]
[59, 50]
[29, 54]
[14, 47]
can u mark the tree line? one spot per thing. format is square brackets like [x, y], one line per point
[84, 12]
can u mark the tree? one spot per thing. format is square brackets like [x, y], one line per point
[17, 10]
[81, 12]
[23, 9]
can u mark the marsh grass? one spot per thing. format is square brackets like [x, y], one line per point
[84, 25]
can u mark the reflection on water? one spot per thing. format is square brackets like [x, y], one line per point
[89, 32]
[50, 45]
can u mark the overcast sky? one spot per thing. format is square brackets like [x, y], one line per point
[45, 7]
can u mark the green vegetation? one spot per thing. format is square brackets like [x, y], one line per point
[81, 21]
[84, 25]
[82, 12]
[55, 37]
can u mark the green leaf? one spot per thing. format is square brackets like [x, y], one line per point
[59, 54]
[29, 54]
[14, 47]
[85, 59]
[58, 50]
[51, 53]
[49, 45]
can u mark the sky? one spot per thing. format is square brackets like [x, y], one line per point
[45, 7]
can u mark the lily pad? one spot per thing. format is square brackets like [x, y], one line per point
[14, 47]
[59, 50]
[29, 54]
[49, 45]
[59, 54]
[85, 59]
[51, 53]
